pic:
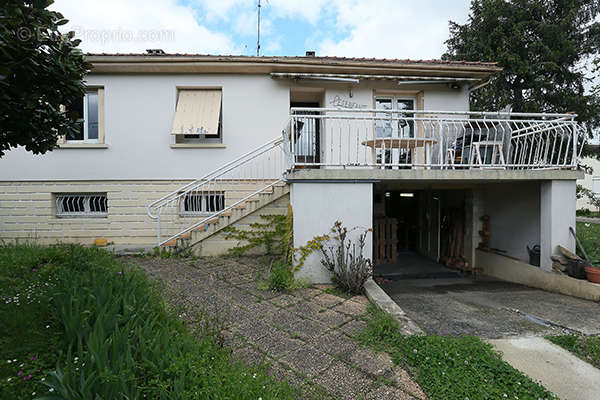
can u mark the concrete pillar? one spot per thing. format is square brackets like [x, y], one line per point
[317, 205]
[557, 214]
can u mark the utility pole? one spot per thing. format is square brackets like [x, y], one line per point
[258, 37]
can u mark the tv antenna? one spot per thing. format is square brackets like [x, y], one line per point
[258, 36]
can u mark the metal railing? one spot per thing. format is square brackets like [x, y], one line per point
[255, 172]
[331, 137]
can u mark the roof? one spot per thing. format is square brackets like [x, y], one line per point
[206, 63]
[324, 59]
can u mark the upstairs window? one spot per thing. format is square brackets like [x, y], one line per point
[85, 111]
[198, 116]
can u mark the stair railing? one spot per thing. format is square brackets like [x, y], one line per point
[228, 186]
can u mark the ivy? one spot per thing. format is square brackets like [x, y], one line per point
[274, 234]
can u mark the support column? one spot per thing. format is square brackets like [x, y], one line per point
[557, 214]
[317, 205]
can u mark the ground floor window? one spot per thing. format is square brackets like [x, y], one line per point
[81, 205]
[198, 203]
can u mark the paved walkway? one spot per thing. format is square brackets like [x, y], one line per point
[558, 370]
[491, 308]
[588, 219]
[304, 335]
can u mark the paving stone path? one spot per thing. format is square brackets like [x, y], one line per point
[304, 336]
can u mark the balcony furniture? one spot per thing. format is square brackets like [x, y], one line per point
[402, 143]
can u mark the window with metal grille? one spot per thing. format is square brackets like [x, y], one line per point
[81, 205]
[195, 203]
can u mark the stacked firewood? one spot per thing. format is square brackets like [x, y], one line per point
[568, 263]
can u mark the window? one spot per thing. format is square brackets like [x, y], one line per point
[198, 116]
[81, 205]
[198, 203]
[86, 112]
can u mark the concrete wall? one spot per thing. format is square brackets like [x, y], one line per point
[516, 271]
[514, 210]
[590, 181]
[316, 206]
[557, 215]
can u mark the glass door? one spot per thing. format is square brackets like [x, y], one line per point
[393, 125]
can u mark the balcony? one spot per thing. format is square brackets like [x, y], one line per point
[330, 138]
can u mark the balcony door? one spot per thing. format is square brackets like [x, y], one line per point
[392, 125]
[308, 135]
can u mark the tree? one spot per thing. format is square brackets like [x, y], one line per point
[541, 46]
[40, 70]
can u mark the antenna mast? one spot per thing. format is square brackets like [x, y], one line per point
[258, 37]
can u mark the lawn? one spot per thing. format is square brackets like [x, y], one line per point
[589, 235]
[586, 348]
[78, 324]
[450, 368]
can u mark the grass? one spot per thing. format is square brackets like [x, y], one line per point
[588, 213]
[449, 368]
[589, 236]
[78, 324]
[586, 348]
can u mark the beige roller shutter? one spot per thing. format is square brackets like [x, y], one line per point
[197, 113]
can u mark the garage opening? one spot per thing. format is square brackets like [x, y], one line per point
[419, 232]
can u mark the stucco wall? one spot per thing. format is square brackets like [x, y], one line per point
[139, 112]
[316, 206]
[514, 210]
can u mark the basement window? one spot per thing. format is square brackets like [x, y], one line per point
[201, 203]
[81, 205]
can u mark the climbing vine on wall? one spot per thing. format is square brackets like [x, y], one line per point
[273, 233]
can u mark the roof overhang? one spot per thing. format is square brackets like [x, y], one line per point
[188, 64]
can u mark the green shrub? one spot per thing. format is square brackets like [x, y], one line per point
[109, 335]
[281, 277]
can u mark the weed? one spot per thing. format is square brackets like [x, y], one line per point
[585, 347]
[450, 367]
[81, 325]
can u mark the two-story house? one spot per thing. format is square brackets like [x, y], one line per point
[175, 147]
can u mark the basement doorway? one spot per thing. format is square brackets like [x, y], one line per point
[418, 233]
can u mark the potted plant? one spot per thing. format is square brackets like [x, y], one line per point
[593, 273]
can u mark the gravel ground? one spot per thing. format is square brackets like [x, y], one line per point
[304, 336]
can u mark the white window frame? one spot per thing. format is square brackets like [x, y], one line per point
[87, 212]
[395, 100]
[85, 119]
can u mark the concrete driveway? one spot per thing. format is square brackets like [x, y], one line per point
[491, 308]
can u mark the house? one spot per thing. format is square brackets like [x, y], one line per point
[175, 147]
[591, 181]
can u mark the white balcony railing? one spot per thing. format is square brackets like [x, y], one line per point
[336, 138]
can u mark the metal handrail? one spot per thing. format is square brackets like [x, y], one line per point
[212, 175]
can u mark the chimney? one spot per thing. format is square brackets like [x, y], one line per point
[311, 53]
[155, 52]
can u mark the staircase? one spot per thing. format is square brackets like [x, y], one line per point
[231, 216]
[222, 197]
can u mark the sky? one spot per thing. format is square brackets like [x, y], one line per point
[361, 28]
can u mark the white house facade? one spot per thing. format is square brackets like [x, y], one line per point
[174, 148]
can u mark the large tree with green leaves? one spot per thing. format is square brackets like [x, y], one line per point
[41, 69]
[542, 46]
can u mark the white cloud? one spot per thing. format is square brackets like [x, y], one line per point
[135, 25]
[393, 29]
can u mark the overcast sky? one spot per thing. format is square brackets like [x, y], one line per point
[364, 28]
